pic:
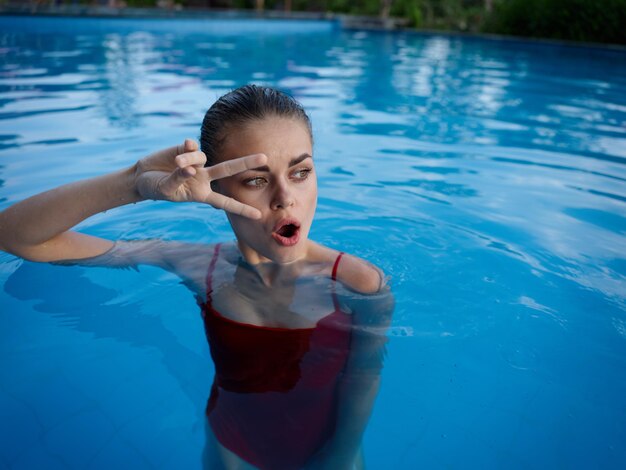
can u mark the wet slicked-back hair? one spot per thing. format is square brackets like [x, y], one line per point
[241, 106]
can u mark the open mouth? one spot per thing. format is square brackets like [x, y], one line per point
[287, 233]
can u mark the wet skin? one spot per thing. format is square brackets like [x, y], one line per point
[284, 190]
[263, 279]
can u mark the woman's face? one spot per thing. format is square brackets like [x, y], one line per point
[285, 190]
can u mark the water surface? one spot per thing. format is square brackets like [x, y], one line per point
[485, 177]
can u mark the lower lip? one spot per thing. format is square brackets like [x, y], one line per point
[284, 241]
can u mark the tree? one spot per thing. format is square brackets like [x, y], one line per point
[385, 8]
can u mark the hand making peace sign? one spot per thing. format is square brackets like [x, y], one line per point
[178, 174]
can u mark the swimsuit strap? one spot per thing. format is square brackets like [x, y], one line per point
[334, 278]
[209, 275]
[336, 265]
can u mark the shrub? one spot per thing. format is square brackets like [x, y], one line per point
[578, 20]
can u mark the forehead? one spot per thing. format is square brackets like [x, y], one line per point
[278, 138]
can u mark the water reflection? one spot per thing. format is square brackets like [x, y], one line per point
[121, 72]
[92, 308]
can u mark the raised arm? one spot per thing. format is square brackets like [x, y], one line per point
[38, 228]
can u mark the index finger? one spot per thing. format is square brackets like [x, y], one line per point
[232, 167]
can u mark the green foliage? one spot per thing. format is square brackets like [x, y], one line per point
[141, 3]
[409, 9]
[460, 15]
[362, 7]
[577, 20]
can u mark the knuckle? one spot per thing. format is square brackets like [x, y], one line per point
[198, 157]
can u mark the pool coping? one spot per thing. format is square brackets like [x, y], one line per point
[347, 22]
[195, 13]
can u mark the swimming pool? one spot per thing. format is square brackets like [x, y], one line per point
[485, 177]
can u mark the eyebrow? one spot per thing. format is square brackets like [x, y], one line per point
[292, 162]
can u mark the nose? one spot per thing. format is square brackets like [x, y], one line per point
[282, 197]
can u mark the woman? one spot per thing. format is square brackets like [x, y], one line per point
[295, 328]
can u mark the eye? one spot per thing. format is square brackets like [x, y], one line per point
[301, 174]
[256, 182]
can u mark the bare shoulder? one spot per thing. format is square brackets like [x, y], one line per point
[353, 272]
[359, 275]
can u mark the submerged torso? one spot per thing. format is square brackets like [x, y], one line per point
[280, 339]
[277, 362]
[294, 296]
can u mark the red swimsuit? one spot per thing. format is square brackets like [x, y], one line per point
[273, 398]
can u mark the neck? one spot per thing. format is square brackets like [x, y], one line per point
[269, 271]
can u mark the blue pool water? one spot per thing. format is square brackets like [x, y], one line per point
[485, 177]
